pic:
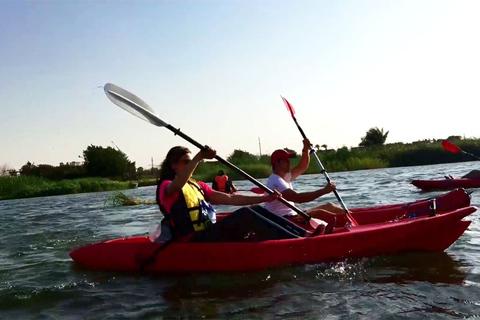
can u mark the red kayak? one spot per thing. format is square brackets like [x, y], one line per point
[398, 228]
[446, 184]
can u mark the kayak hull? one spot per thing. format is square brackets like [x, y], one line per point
[446, 184]
[425, 233]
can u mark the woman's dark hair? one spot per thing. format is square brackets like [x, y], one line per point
[173, 156]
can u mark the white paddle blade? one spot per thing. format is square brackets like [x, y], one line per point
[132, 104]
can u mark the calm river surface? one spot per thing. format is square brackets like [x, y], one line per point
[38, 280]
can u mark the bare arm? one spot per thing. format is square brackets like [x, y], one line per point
[292, 195]
[239, 199]
[182, 177]
[302, 166]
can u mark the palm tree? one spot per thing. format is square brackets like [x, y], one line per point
[317, 147]
[324, 146]
[374, 137]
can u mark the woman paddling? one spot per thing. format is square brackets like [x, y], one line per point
[185, 203]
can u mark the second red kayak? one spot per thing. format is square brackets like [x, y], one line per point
[446, 184]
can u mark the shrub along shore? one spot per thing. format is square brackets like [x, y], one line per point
[343, 159]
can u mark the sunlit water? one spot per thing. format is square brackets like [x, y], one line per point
[38, 280]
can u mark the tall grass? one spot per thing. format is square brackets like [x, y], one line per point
[28, 187]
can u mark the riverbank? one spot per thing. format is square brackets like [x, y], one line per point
[29, 187]
[343, 159]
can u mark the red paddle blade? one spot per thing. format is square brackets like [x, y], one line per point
[289, 106]
[257, 190]
[447, 145]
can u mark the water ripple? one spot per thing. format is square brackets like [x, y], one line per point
[39, 281]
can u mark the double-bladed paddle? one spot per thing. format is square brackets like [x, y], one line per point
[447, 145]
[322, 169]
[136, 106]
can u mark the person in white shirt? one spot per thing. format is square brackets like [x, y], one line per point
[281, 180]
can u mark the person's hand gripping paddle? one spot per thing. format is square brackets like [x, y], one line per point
[136, 106]
[322, 169]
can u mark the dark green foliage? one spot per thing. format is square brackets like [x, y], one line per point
[152, 173]
[454, 139]
[109, 163]
[63, 171]
[241, 157]
[374, 137]
[99, 162]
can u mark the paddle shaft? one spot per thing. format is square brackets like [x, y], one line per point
[472, 155]
[234, 167]
[322, 169]
[143, 111]
[312, 151]
[148, 261]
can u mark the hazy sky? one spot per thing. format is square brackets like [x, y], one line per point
[216, 70]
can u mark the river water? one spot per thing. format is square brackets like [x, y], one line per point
[38, 280]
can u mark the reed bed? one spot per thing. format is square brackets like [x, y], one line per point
[29, 187]
[120, 199]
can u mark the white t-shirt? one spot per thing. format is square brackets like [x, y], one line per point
[275, 182]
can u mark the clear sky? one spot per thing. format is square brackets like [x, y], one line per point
[216, 70]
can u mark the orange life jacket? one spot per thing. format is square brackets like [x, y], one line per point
[222, 183]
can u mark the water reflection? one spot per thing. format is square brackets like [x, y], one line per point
[206, 294]
[435, 268]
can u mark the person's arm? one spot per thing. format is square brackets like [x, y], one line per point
[239, 199]
[302, 166]
[292, 195]
[182, 177]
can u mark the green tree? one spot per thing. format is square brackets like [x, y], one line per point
[374, 137]
[242, 157]
[13, 173]
[28, 169]
[109, 163]
[454, 138]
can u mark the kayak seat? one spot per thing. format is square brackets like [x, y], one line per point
[322, 229]
[318, 231]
